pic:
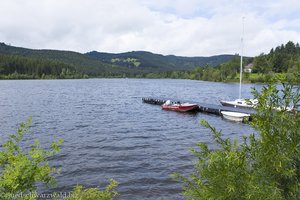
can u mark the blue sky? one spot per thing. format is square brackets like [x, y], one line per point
[178, 27]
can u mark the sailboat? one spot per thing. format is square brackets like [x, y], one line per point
[240, 102]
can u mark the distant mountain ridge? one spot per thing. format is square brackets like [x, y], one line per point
[130, 64]
[144, 59]
[81, 62]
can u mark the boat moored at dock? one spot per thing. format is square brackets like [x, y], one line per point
[241, 103]
[180, 107]
[235, 116]
[199, 107]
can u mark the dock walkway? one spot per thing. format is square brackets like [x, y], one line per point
[205, 108]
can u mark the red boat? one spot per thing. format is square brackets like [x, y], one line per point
[181, 107]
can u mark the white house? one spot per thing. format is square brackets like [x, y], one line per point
[248, 68]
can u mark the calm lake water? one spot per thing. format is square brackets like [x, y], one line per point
[109, 133]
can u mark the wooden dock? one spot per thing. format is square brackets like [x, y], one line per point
[205, 108]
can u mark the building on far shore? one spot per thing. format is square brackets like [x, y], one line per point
[248, 68]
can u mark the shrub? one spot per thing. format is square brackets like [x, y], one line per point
[79, 193]
[20, 170]
[264, 166]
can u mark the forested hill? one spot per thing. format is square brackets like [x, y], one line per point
[284, 58]
[78, 61]
[148, 60]
[284, 61]
[38, 63]
[16, 62]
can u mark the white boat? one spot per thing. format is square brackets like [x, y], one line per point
[287, 109]
[243, 103]
[235, 116]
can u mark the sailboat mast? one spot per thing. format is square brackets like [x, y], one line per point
[241, 64]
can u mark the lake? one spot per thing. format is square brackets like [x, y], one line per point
[109, 133]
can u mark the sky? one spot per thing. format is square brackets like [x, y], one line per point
[168, 27]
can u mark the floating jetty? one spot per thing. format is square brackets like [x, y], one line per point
[205, 108]
[154, 101]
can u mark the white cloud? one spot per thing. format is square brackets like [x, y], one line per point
[179, 27]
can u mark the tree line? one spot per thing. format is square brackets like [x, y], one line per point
[20, 67]
[284, 59]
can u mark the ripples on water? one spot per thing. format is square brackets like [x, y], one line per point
[109, 133]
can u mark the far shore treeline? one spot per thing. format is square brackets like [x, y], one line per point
[22, 63]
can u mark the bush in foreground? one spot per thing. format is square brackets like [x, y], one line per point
[264, 166]
[21, 169]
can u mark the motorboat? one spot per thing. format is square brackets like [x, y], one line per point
[235, 116]
[180, 107]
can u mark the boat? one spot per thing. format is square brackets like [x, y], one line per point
[180, 107]
[240, 102]
[287, 109]
[235, 116]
